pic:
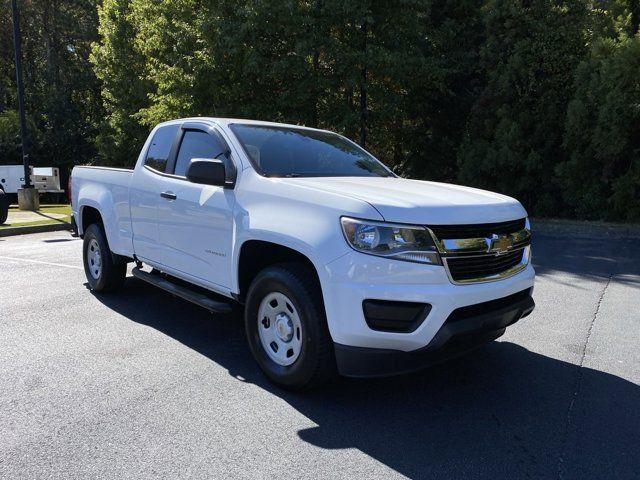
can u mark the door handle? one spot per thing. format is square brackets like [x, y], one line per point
[168, 195]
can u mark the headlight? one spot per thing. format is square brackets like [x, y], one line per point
[401, 242]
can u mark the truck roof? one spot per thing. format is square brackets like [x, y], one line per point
[229, 121]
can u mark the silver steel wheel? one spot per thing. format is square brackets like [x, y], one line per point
[94, 259]
[280, 329]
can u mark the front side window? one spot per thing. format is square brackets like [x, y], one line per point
[296, 152]
[196, 144]
[160, 147]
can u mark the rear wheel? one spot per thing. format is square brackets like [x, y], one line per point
[104, 274]
[4, 207]
[287, 329]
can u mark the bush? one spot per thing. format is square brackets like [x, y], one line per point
[601, 178]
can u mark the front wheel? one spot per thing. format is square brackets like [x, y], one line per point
[104, 274]
[287, 329]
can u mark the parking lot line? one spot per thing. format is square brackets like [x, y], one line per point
[40, 262]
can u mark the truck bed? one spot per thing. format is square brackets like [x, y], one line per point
[107, 190]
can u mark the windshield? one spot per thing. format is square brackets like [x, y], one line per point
[293, 152]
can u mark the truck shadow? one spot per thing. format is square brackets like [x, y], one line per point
[500, 412]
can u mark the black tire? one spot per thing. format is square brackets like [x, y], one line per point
[4, 207]
[315, 364]
[111, 274]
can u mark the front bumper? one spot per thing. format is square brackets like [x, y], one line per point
[464, 329]
[355, 277]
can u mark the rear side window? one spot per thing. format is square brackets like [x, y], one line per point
[160, 147]
[196, 144]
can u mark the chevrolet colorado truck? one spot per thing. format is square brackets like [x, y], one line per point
[342, 267]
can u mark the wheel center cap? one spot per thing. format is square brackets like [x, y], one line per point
[284, 327]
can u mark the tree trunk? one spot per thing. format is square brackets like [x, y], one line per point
[363, 87]
[634, 8]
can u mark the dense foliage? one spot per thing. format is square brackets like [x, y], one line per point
[539, 99]
[514, 131]
[62, 99]
[602, 135]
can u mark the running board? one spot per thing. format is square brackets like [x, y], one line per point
[185, 293]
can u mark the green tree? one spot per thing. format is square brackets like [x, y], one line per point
[61, 91]
[601, 177]
[120, 67]
[10, 151]
[514, 136]
[428, 74]
[283, 61]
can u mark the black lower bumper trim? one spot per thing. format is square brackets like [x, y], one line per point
[458, 335]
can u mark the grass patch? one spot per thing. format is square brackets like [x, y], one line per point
[41, 217]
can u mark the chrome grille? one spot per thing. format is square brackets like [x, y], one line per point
[472, 268]
[483, 252]
[481, 230]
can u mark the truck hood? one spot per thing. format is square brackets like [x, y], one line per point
[414, 201]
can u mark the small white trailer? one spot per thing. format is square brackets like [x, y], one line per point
[44, 179]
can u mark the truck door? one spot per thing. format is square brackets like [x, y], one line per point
[144, 193]
[196, 221]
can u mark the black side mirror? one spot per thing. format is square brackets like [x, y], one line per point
[208, 171]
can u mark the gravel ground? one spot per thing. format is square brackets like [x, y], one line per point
[143, 385]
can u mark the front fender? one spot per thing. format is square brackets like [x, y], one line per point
[301, 246]
[302, 219]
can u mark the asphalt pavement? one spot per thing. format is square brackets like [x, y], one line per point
[143, 385]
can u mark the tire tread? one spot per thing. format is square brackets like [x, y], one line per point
[325, 369]
[113, 272]
[299, 275]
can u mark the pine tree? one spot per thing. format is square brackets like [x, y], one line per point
[601, 178]
[514, 135]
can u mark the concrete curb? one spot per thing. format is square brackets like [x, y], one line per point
[582, 229]
[52, 227]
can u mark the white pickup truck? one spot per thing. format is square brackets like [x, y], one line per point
[342, 266]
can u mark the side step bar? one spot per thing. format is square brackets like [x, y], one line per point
[186, 293]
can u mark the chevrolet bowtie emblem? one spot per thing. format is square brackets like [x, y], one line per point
[499, 244]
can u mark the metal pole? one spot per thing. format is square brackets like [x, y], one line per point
[23, 123]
